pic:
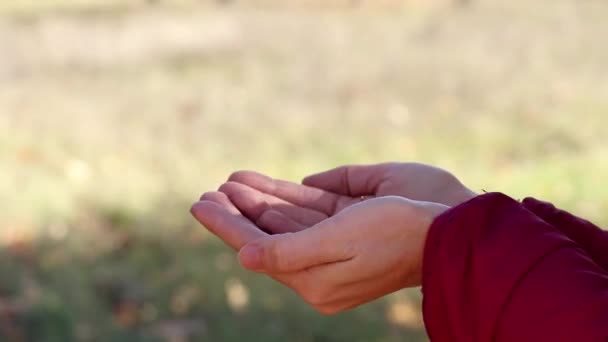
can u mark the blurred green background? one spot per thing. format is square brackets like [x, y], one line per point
[115, 115]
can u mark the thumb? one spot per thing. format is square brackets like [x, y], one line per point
[291, 252]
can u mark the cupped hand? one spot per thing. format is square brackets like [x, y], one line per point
[279, 206]
[365, 251]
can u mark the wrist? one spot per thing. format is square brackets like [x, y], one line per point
[417, 227]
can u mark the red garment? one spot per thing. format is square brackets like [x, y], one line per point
[499, 270]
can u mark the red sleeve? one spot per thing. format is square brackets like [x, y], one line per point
[589, 236]
[495, 271]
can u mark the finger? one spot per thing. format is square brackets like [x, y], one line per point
[283, 253]
[338, 238]
[221, 199]
[350, 180]
[298, 194]
[233, 229]
[271, 220]
[278, 223]
[254, 203]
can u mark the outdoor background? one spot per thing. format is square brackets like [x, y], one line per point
[115, 115]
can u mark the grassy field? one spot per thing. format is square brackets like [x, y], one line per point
[115, 116]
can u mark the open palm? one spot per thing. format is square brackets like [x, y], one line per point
[279, 206]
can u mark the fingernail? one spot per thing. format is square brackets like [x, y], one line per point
[250, 257]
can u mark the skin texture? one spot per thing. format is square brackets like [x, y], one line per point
[342, 238]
